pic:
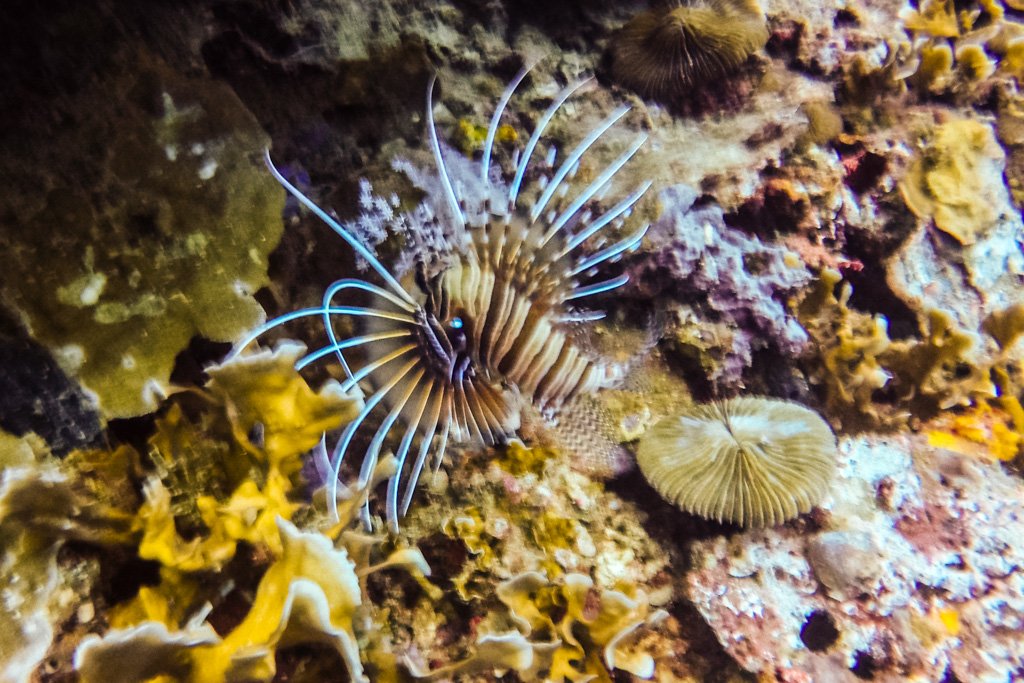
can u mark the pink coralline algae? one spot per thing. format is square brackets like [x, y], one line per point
[915, 573]
[694, 255]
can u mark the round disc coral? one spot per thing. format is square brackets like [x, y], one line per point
[663, 53]
[752, 461]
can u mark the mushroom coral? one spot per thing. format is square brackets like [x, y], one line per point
[752, 461]
[663, 53]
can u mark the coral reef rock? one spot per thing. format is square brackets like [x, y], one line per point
[743, 279]
[916, 573]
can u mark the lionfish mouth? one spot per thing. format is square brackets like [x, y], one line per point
[442, 354]
[489, 331]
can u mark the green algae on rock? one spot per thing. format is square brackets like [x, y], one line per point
[155, 226]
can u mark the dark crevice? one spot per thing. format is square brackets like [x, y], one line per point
[37, 396]
[872, 294]
[134, 431]
[950, 677]
[819, 632]
[191, 363]
[864, 666]
[664, 522]
[247, 19]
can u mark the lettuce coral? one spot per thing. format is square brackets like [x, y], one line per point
[940, 370]
[869, 379]
[310, 594]
[235, 447]
[956, 48]
[583, 634]
[41, 507]
[948, 182]
[493, 651]
[236, 488]
[848, 344]
[248, 515]
[166, 220]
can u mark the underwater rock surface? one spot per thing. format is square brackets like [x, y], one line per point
[914, 570]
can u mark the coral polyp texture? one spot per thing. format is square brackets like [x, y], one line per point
[664, 53]
[488, 328]
[752, 461]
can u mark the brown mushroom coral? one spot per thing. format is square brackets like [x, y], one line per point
[663, 53]
[751, 461]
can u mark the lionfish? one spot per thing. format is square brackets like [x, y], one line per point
[456, 357]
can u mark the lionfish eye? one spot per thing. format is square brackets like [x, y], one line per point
[457, 333]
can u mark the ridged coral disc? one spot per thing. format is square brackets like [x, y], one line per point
[752, 461]
[663, 53]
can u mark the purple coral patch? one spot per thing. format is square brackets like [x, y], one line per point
[695, 255]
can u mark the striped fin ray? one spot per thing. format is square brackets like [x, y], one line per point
[452, 360]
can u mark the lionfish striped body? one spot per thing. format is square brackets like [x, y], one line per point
[456, 360]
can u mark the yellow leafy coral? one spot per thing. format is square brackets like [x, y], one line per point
[950, 181]
[849, 345]
[310, 594]
[941, 370]
[264, 389]
[41, 507]
[580, 633]
[934, 17]
[871, 380]
[983, 430]
[953, 49]
[470, 137]
[258, 393]
[248, 515]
